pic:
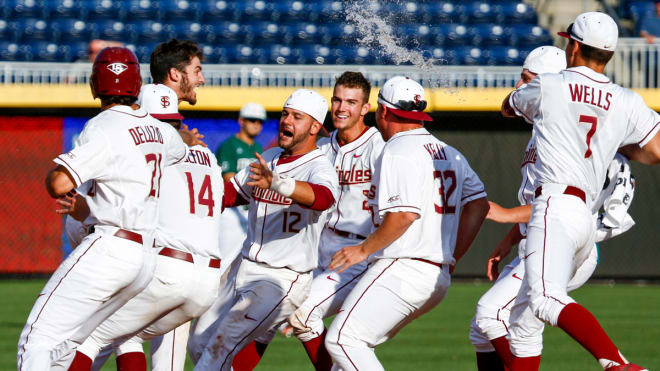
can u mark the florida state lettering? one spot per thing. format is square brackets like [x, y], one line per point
[270, 197]
[146, 134]
[353, 175]
[530, 156]
[588, 94]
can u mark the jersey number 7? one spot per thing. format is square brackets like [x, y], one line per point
[593, 121]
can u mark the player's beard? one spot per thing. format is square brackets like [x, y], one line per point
[291, 142]
[188, 91]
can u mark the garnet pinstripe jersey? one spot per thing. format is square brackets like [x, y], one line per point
[282, 233]
[580, 119]
[191, 203]
[355, 163]
[420, 174]
[124, 151]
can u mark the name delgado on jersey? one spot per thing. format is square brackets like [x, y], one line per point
[146, 134]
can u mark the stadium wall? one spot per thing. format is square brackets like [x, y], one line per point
[32, 234]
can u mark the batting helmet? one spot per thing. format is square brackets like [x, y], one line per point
[116, 71]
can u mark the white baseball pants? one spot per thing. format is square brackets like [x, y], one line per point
[329, 288]
[179, 291]
[390, 294]
[94, 281]
[265, 297]
[560, 237]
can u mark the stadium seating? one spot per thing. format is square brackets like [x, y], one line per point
[274, 31]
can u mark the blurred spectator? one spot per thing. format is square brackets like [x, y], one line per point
[96, 45]
[650, 25]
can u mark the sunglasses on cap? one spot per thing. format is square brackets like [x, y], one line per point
[406, 105]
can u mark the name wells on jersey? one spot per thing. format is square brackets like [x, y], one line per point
[146, 134]
[270, 197]
[587, 94]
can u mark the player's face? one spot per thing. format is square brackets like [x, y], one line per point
[525, 77]
[191, 78]
[250, 127]
[348, 107]
[296, 129]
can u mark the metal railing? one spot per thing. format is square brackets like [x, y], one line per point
[635, 65]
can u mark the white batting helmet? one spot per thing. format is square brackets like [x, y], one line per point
[545, 59]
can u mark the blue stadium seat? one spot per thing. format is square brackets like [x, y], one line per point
[247, 54]
[25, 9]
[265, 33]
[283, 54]
[503, 55]
[258, 10]
[338, 33]
[442, 12]
[6, 31]
[228, 32]
[412, 35]
[320, 54]
[444, 56]
[104, 10]
[10, 51]
[111, 30]
[531, 36]
[76, 51]
[147, 31]
[43, 51]
[471, 55]
[143, 9]
[640, 9]
[216, 54]
[192, 30]
[68, 30]
[302, 33]
[407, 11]
[298, 10]
[457, 34]
[494, 35]
[66, 9]
[217, 11]
[331, 11]
[184, 10]
[359, 55]
[480, 12]
[516, 12]
[143, 51]
[32, 29]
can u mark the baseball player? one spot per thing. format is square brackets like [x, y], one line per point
[430, 205]
[124, 151]
[235, 154]
[291, 191]
[580, 120]
[187, 276]
[353, 148]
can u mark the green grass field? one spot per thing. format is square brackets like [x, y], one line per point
[438, 340]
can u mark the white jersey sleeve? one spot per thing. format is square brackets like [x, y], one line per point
[473, 187]
[176, 149]
[240, 182]
[644, 122]
[399, 192]
[526, 100]
[89, 159]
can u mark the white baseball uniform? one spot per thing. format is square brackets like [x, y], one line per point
[279, 253]
[187, 276]
[419, 174]
[491, 319]
[123, 151]
[580, 120]
[348, 224]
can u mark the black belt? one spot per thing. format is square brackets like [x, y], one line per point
[347, 234]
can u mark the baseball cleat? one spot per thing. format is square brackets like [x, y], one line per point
[626, 367]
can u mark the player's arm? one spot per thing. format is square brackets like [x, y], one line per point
[472, 217]
[518, 214]
[394, 226]
[191, 137]
[59, 182]
[502, 251]
[73, 204]
[648, 155]
[227, 176]
[313, 196]
[506, 109]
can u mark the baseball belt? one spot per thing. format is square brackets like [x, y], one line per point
[347, 234]
[570, 190]
[182, 255]
[428, 262]
[128, 235]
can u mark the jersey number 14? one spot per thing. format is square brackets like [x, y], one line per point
[204, 196]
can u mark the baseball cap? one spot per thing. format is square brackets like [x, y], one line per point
[254, 111]
[309, 102]
[545, 59]
[594, 29]
[160, 102]
[404, 98]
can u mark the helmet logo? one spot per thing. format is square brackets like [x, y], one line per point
[117, 68]
[165, 101]
[417, 98]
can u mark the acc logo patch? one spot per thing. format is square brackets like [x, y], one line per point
[117, 68]
[165, 101]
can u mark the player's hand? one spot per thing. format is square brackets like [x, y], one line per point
[260, 174]
[73, 204]
[501, 251]
[191, 137]
[497, 213]
[346, 257]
